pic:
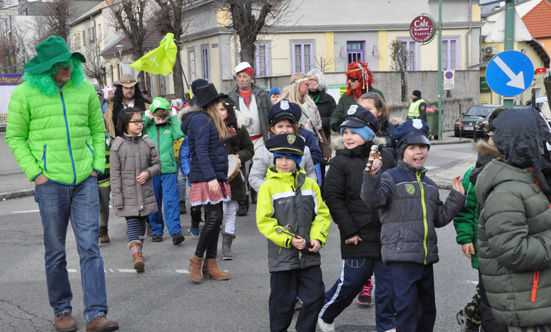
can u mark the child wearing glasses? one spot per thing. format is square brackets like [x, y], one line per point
[134, 161]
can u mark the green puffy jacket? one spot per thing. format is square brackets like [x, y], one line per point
[60, 136]
[466, 221]
[164, 137]
[514, 245]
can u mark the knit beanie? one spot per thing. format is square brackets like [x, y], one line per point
[296, 158]
[365, 132]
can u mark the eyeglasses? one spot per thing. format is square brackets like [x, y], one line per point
[352, 79]
[313, 79]
[137, 122]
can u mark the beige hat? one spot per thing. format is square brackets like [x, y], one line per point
[126, 80]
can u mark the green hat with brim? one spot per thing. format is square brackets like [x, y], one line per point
[159, 103]
[50, 51]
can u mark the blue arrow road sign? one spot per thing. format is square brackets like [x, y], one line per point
[509, 73]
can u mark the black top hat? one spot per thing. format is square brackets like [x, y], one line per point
[206, 94]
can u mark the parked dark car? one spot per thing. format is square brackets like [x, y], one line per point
[470, 118]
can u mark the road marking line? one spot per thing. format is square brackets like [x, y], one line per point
[182, 271]
[28, 211]
[127, 270]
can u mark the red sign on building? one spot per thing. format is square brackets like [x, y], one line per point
[422, 29]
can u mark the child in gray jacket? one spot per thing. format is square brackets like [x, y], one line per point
[134, 161]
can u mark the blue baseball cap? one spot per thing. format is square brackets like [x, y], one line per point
[414, 131]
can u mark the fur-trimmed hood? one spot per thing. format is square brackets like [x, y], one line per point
[487, 148]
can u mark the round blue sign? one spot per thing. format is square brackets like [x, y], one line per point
[449, 75]
[509, 73]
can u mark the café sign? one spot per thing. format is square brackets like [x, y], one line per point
[422, 29]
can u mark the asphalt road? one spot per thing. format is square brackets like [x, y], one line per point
[163, 298]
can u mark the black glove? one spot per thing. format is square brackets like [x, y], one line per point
[335, 127]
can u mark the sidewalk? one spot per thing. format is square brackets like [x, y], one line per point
[17, 185]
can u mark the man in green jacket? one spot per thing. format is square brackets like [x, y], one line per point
[56, 133]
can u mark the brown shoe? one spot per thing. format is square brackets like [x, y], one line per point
[103, 236]
[136, 250]
[102, 324]
[195, 268]
[64, 322]
[212, 270]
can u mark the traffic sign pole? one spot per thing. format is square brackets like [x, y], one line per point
[509, 36]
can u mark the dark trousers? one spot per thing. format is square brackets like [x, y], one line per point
[208, 238]
[415, 303]
[285, 286]
[487, 321]
[353, 275]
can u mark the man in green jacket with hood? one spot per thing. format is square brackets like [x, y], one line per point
[57, 135]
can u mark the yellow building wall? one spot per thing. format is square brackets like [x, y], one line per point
[281, 50]
[427, 55]
[330, 52]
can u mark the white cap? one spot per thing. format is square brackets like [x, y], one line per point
[242, 66]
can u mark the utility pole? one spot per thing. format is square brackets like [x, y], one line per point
[509, 40]
[440, 78]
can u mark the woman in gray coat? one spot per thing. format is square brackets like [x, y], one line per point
[134, 161]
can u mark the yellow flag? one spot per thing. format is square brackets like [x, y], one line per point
[160, 60]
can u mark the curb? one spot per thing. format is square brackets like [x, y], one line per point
[462, 141]
[16, 194]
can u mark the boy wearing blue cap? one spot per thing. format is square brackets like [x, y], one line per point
[294, 218]
[359, 225]
[410, 211]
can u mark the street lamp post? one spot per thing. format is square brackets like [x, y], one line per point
[119, 48]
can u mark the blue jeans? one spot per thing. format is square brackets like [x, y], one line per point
[181, 184]
[79, 204]
[355, 271]
[166, 192]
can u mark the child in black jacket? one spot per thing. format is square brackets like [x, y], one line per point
[359, 225]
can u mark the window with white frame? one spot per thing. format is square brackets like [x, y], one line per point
[261, 60]
[205, 61]
[303, 57]
[450, 55]
[410, 47]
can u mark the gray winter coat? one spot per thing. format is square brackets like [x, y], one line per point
[262, 102]
[411, 210]
[130, 156]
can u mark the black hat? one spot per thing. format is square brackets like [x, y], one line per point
[284, 109]
[286, 144]
[206, 94]
[358, 116]
[414, 131]
[417, 93]
[194, 85]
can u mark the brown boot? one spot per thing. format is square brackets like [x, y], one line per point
[64, 322]
[103, 236]
[136, 249]
[212, 270]
[195, 268]
[102, 324]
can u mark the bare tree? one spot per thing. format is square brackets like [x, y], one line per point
[94, 65]
[323, 63]
[400, 60]
[249, 18]
[55, 20]
[13, 52]
[128, 17]
[172, 18]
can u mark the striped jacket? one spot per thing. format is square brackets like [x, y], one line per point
[294, 199]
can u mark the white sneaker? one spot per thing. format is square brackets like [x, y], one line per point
[325, 327]
[391, 330]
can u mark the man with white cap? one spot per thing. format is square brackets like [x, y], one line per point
[254, 103]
